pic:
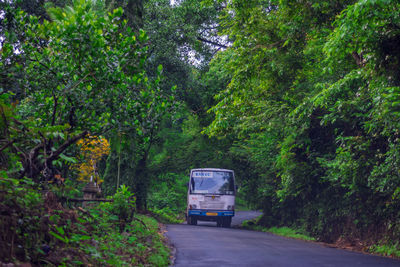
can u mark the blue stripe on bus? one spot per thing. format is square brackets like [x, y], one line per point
[204, 213]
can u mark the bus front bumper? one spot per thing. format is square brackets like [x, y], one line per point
[211, 213]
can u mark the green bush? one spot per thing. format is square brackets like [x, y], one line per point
[167, 197]
[123, 206]
[21, 209]
[35, 228]
[386, 249]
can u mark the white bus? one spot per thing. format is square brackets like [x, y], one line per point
[211, 196]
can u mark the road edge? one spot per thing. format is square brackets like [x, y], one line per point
[172, 248]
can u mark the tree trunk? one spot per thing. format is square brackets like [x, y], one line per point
[141, 184]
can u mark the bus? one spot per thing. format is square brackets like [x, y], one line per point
[211, 196]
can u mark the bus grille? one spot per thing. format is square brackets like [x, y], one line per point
[213, 205]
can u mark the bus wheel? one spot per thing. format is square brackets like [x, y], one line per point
[227, 222]
[191, 220]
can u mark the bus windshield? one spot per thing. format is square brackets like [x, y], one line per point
[212, 182]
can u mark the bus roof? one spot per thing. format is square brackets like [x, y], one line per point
[211, 169]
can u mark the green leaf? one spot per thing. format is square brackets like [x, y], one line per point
[65, 240]
[69, 159]
[60, 229]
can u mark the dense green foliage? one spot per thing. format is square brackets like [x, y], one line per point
[282, 231]
[167, 197]
[40, 231]
[180, 146]
[83, 71]
[313, 103]
[78, 70]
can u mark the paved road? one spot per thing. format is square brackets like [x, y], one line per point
[207, 245]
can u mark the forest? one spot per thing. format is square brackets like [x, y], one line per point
[300, 98]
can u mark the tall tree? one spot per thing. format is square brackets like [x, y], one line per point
[82, 72]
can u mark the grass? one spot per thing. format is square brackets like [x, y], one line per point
[388, 249]
[168, 217]
[159, 251]
[281, 231]
[288, 232]
[141, 244]
[391, 250]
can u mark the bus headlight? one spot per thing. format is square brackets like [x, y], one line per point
[192, 207]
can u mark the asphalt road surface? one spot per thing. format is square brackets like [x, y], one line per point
[208, 245]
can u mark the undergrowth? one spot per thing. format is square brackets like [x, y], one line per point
[35, 228]
[281, 231]
[167, 216]
[289, 232]
[383, 248]
[391, 250]
[167, 197]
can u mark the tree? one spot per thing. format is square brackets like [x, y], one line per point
[131, 155]
[179, 39]
[82, 72]
[313, 104]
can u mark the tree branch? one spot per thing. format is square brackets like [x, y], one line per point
[65, 199]
[64, 146]
[211, 42]
[358, 58]
[7, 145]
[53, 119]
[5, 121]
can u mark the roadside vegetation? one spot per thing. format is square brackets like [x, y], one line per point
[386, 250]
[73, 86]
[311, 103]
[40, 231]
[281, 231]
[167, 198]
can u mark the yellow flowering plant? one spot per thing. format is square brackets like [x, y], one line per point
[92, 149]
